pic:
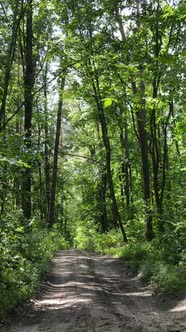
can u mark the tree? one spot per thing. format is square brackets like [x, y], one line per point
[28, 104]
[17, 16]
[56, 154]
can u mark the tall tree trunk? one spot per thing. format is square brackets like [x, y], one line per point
[56, 151]
[62, 210]
[10, 59]
[125, 167]
[39, 165]
[102, 199]
[115, 211]
[141, 123]
[155, 154]
[102, 188]
[142, 134]
[46, 158]
[145, 171]
[28, 86]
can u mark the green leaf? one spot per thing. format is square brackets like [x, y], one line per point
[108, 102]
[22, 163]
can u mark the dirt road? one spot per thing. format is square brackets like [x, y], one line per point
[92, 293]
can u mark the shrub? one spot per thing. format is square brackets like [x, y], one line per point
[168, 278]
[25, 257]
[109, 242]
[134, 253]
[85, 236]
[147, 268]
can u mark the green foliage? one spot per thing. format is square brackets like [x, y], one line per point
[25, 256]
[88, 237]
[146, 268]
[168, 278]
[109, 101]
[135, 252]
[85, 236]
[105, 243]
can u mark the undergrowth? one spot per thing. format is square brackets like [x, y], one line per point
[25, 256]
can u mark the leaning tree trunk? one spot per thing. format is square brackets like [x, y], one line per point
[56, 151]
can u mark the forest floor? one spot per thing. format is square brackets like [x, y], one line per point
[93, 293]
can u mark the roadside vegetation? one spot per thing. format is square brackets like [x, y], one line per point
[25, 260]
[161, 262]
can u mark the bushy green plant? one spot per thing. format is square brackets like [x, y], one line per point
[108, 242]
[85, 236]
[25, 255]
[146, 268]
[88, 238]
[168, 278]
[134, 251]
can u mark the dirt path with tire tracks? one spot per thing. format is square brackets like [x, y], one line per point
[93, 293]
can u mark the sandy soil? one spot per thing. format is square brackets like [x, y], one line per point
[92, 293]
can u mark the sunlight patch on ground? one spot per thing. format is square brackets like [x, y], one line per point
[139, 294]
[59, 303]
[181, 306]
[77, 284]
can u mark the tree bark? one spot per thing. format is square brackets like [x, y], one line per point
[56, 151]
[141, 129]
[46, 151]
[102, 198]
[28, 86]
[115, 211]
[125, 167]
[142, 134]
[10, 59]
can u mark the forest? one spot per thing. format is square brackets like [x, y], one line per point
[92, 138]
